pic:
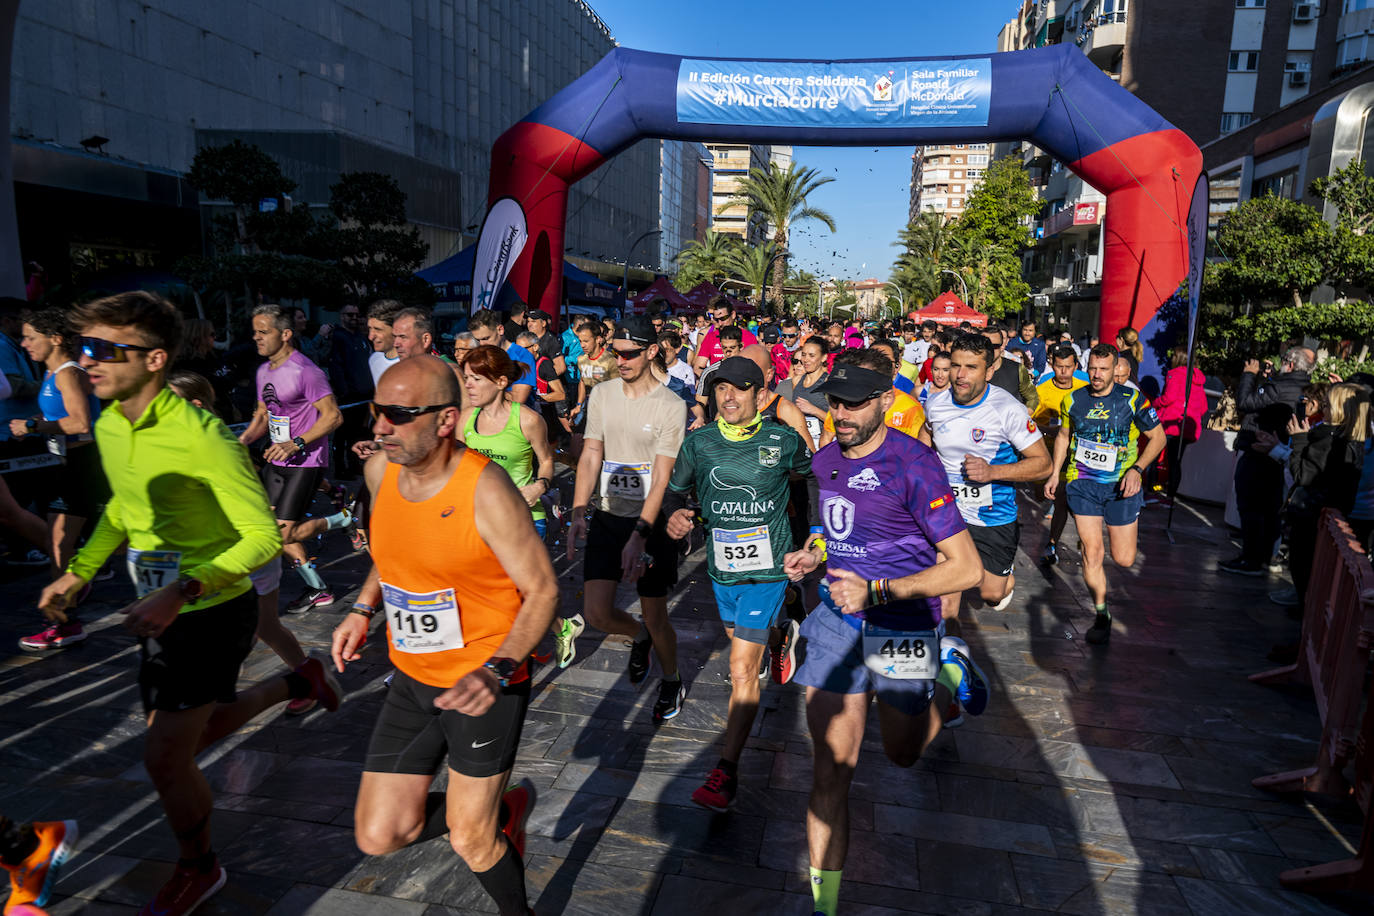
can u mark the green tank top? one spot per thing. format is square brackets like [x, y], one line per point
[508, 448]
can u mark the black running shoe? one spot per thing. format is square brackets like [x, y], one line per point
[1241, 567]
[669, 702]
[1101, 632]
[638, 668]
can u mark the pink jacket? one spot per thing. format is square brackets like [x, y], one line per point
[1169, 404]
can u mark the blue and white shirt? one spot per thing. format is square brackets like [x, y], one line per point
[994, 428]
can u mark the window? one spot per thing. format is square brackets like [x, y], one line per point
[978, 159]
[957, 202]
[1234, 120]
[974, 173]
[1282, 185]
[957, 188]
[1243, 62]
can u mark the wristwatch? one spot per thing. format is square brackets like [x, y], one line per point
[643, 528]
[191, 590]
[503, 668]
[299, 443]
[30, 424]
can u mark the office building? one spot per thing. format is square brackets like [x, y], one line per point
[943, 176]
[110, 102]
[730, 163]
[1209, 68]
[683, 165]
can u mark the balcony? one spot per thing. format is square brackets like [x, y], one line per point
[1102, 38]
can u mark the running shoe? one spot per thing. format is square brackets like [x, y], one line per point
[1241, 567]
[301, 706]
[565, 640]
[973, 686]
[33, 880]
[357, 536]
[309, 599]
[34, 557]
[1285, 597]
[1101, 631]
[785, 655]
[516, 805]
[954, 716]
[718, 792]
[1002, 605]
[1051, 554]
[324, 687]
[638, 667]
[669, 702]
[57, 636]
[187, 890]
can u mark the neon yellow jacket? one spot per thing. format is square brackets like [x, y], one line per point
[181, 482]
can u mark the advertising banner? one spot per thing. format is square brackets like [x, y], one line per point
[941, 93]
[1197, 253]
[502, 239]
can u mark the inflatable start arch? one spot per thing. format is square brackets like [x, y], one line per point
[1053, 96]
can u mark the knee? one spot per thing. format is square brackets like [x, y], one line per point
[474, 843]
[744, 670]
[831, 777]
[992, 595]
[378, 838]
[166, 762]
[903, 757]
[1123, 558]
[1092, 557]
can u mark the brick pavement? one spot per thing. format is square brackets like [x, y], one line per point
[1099, 781]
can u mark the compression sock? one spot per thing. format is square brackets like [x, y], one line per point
[310, 575]
[825, 891]
[341, 519]
[17, 842]
[504, 882]
[951, 676]
[436, 817]
[643, 633]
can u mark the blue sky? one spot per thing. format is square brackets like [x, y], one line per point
[869, 196]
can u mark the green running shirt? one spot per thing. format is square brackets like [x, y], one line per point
[181, 483]
[508, 448]
[742, 486]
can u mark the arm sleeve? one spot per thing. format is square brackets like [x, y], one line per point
[929, 499]
[107, 536]
[1022, 432]
[223, 466]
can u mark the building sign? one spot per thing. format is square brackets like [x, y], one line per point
[1083, 214]
[500, 242]
[936, 93]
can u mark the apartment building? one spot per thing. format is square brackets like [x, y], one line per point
[943, 176]
[731, 162]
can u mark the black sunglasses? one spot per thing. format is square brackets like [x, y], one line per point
[789, 336]
[628, 355]
[847, 405]
[398, 415]
[107, 351]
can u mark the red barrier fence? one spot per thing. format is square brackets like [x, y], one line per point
[1333, 657]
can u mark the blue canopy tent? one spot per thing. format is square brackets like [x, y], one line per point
[452, 282]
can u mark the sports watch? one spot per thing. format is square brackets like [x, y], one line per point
[299, 442]
[503, 668]
[191, 590]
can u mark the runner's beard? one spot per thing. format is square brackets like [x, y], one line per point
[859, 434]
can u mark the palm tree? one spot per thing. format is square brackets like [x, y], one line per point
[928, 244]
[750, 265]
[804, 278]
[704, 259]
[780, 197]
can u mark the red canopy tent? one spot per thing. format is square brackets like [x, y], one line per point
[949, 309]
[661, 288]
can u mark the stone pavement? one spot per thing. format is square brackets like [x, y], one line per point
[1113, 781]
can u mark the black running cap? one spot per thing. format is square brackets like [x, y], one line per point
[854, 383]
[636, 329]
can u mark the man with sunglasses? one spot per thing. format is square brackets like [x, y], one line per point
[464, 606]
[887, 511]
[905, 413]
[197, 523]
[740, 468]
[987, 444]
[488, 330]
[722, 315]
[297, 412]
[635, 427]
[787, 346]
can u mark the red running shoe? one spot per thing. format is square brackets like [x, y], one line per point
[187, 890]
[57, 636]
[323, 685]
[718, 792]
[519, 802]
[784, 663]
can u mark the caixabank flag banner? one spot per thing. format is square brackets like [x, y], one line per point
[502, 239]
[946, 93]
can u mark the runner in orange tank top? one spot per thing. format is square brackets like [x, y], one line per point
[467, 591]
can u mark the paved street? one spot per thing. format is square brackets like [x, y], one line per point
[1099, 781]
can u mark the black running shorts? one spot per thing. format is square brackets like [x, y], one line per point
[197, 659]
[997, 546]
[606, 538]
[413, 736]
[290, 491]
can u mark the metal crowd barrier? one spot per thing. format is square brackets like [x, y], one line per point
[1333, 658]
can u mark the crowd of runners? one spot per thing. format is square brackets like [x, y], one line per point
[855, 489]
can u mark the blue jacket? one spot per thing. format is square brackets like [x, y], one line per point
[1036, 348]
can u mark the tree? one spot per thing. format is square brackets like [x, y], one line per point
[1276, 249]
[378, 251]
[706, 259]
[751, 265]
[917, 269]
[781, 197]
[1351, 192]
[998, 210]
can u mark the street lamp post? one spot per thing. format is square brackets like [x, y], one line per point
[962, 284]
[901, 300]
[625, 283]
